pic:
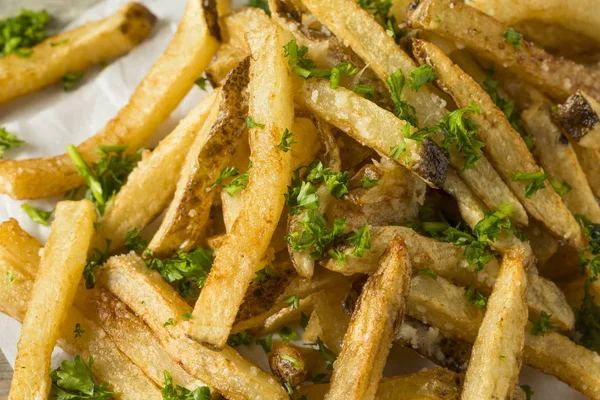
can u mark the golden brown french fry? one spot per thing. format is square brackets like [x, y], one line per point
[165, 85]
[497, 352]
[579, 118]
[484, 35]
[74, 51]
[501, 140]
[287, 364]
[185, 222]
[151, 185]
[332, 318]
[152, 299]
[60, 271]
[443, 305]
[589, 159]
[379, 310]
[271, 104]
[578, 16]
[559, 160]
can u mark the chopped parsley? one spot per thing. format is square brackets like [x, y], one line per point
[396, 151]
[40, 216]
[343, 68]
[262, 4]
[134, 240]
[238, 183]
[536, 181]
[560, 188]
[428, 272]
[380, 10]
[327, 355]
[10, 278]
[104, 178]
[70, 80]
[265, 274]
[250, 123]
[592, 231]
[169, 322]
[513, 37]
[291, 359]
[266, 343]
[304, 320]
[316, 235]
[404, 111]
[239, 339]
[8, 141]
[201, 83]
[367, 182]
[337, 182]
[78, 330]
[420, 76]
[20, 33]
[293, 301]
[286, 141]
[502, 357]
[73, 380]
[59, 43]
[542, 325]
[188, 270]
[301, 65]
[494, 223]
[587, 320]
[365, 90]
[225, 173]
[474, 297]
[286, 334]
[528, 391]
[361, 240]
[187, 315]
[171, 392]
[94, 261]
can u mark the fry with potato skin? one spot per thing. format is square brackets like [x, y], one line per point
[557, 77]
[271, 104]
[74, 51]
[378, 313]
[161, 90]
[497, 352]
[60, 270]
[501, 141]
[579, 118]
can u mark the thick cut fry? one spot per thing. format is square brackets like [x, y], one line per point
[152, 299]
[378, 313]
[443, 305]
[504, 146]
[374, 127]
[74, 51]
[450, 262]
[333, 319]
[368, 39]
[579, 16]
[559, 160]
[497, 352]
[287, 364]
[589, 159]
[61, 267]
[557, 77]
[185, 222]
[151, 185]
[168, 81]
[579, 118]
[271, 104]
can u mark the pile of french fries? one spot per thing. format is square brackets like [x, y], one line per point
[417, 173]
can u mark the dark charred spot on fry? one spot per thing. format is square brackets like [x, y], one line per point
[576, 116]
[212, 18]
[433, 166]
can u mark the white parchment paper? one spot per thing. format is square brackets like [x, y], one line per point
[51, 119]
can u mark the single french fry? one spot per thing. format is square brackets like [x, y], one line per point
[579, 118]
[59, 274]
[74, 51]
[497, 352]
[185, 222]
[502, 141]
[379, 310]
[151, 184]
[152, 299]
[484, 35]
[271, 104]
[165, 85]
[589, 159]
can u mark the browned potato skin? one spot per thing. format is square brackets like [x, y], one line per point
[557, 77]
[284, 369]
[579, 119]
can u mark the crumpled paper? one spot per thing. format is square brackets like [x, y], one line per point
[50, 119]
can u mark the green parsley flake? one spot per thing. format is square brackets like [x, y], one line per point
[542, 325]
[265, 274]
[37, 215]
[404, 111]
[94, 261]
[262, 4]
[293, 301]
[9, 277]
[291, 359]
[8, 141]
[367, 182]
[286, 334]
[513, 37]
[396, 151]
[187, 315]
[327, 355]
[74, 380]
[201, 83]
[266, 343]
[225, 173]
[169, 322]
[171, 392]
[304, 320]
[250, 123]
[536, 181]
[365, 90]
[528, 391]
[286, 141]
[420, 76]
[78, 330]
[344, 68]
[239, 339]
[59, 43]
[474, 297]
[20, 33]
[592, 231]
[560, 188]
[134, 240]
[361, 240]
[428, 272]
[70, 80]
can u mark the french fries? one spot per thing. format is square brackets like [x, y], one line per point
[165, 85]
[184, 225]
[484, 35]
[60, 270]
[74, 51]
[499, 138]
[380, 307]
[270, 104]
[151, 185]
[497, 352]
[579, 118]
[588, 159]
[287, 364]
[152, 299]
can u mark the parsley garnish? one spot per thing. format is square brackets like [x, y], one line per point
[59, 43]
[560, 188]
[239, 183]
[134, 240]
[8, 141]
[23, 31]
[396, 151]
[291, 359]
[78, 330]
[286, 334]
[250, 123]
[239, 339]
[339, 256]
[170, 392]
[265, 343]
[225, 173]
[201, 83]
[403, 110]
[286, 141]
[474, 297]
[187, 315]
[367, 182]
[502, 357]
[10, 278]
[541, 326]
[536, 181]
[337, 182]
[264, 275]
[513, 37]
[587, 320]
[188, 270]
[301, 65]
[262, 4]
[304, 320]
[104, 178]
[293, 301]
[592, 231]
[361, 240]
[380, 10]
[94, 261]
[365, 90]
[528, 391]
[316, 235]
[428, 272]
[494, 222]
[37, 215]
[343, 68]
[325, 352]
[420, 76]
[70, 80]
[169, 322]
[73, 380]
